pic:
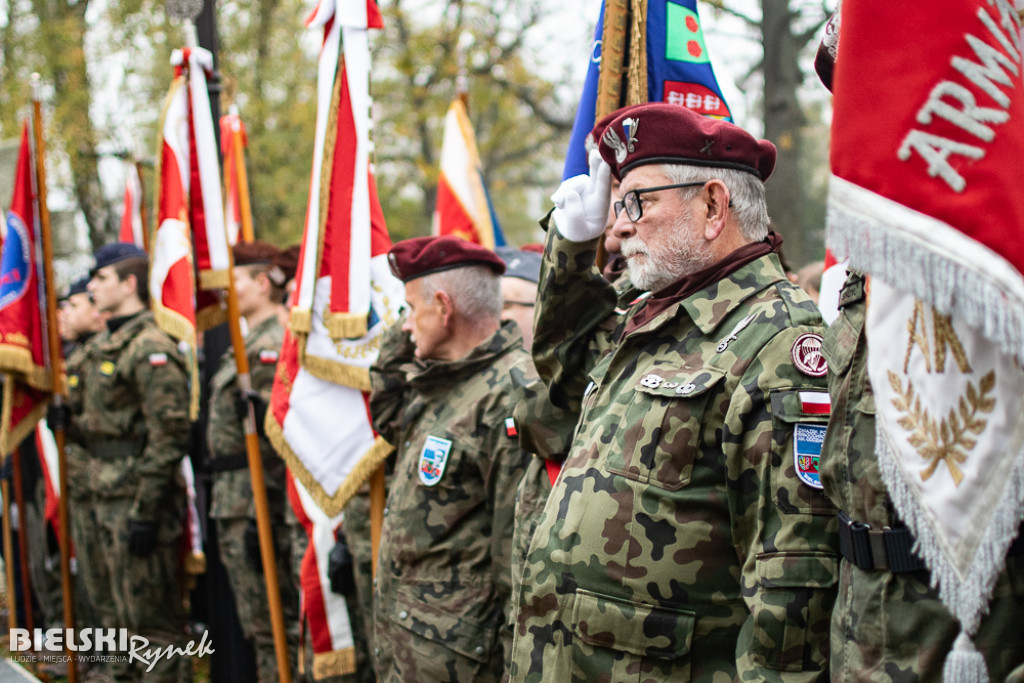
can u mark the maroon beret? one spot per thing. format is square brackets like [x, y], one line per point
[662, 133]
[421, 256]
[249, 253]
[285, 265]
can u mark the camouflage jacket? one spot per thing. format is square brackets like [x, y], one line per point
[232, 488]
[129, 410]
[443, 571]
[889, 627]
[678, 541]
[81, 468]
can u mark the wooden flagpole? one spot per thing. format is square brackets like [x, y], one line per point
[142, 206]
[19, 499]
[241, 177]
[259, 488]
[54, 355]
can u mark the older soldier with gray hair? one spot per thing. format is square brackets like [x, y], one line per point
[442, 394]
[687, 537]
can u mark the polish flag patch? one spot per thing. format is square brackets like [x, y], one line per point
[815, 403]
[157, 359]
[510, 427]
[268, 356]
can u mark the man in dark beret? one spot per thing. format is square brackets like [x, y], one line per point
[259, 290]
[687, 536]
[441, 393]
[128, 400]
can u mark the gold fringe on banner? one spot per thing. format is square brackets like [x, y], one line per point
[210, 316]
[336, 663]
[345, 325]
[302, 321]
[214, 279]
[331, 503]
[9, 440]
[338, 373]
[18, 359]
[636, 88]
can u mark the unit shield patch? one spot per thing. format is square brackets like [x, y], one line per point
[807, 440]
[433, 459]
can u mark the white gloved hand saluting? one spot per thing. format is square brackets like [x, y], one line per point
[581, 202]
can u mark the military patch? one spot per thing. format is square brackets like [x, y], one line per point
[157, 359]
[107, 368]
[433, 459]
[510, 427]
[807, 440]
[72, 381]
[807, 356]
[267, 356]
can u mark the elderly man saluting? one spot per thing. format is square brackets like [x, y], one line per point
[687, 537]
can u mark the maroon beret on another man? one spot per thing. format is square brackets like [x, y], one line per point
[419, 256]
[661, 133]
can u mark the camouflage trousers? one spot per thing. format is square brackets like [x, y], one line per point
[250, 590]
[43, 559]
[356, 527]
[892, 628]
[140, 594]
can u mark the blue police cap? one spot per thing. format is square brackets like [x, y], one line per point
[110, 254]
[524, 265]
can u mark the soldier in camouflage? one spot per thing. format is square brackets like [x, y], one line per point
[888, 625]
[129, 414]
[686, 537]
[442, 395]
[232, 498]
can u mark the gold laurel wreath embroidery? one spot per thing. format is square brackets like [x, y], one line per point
[949, 440]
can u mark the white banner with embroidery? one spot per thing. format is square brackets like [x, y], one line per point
[950, 440]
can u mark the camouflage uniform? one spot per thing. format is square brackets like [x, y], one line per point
[232, 499]
[129, 412]
[441, 605]
[82, 492]
[356, 527]
[887, 626]
[678, 542]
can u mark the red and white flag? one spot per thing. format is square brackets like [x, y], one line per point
[463, 206]
[132, 230]
[345, 296]
[24, 356]
[926, 198]
[233, 141]
[190, 236]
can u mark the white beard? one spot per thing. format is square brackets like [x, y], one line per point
[679, 255]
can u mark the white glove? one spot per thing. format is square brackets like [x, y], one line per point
[581, 202]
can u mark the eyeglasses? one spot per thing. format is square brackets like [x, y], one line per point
[631, 200]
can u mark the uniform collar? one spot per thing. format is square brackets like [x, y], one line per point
[506, 338]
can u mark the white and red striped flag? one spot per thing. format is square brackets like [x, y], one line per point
[926, 198]
[190, 235]
[463, 205]
[345, 296]
[131, 211]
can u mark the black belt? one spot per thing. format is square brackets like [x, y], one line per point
[871, 549]
[229, 463]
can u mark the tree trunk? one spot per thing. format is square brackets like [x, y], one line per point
[783, 123]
